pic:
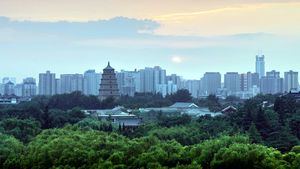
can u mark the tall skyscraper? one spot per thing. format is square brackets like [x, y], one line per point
[177, 80]
[193, 86]
[165, 89]
[272, 83]
[211, 82]
[260, 65]
[249, 80]
[9, 88]
[58, 86]
[291, 81]
[127, 82]
[65, 83]
[77, 83]
[109, 84]
[71, 83]
[18, 90]
[232, 82]
[91, 82]
[29, 87]
[159, 76]
[171, 88]
[9, 79]
[47, 83]
[150, 78]
[1, 89]
[147, 80]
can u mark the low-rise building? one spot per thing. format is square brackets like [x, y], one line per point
[182, 108]
[118, 116]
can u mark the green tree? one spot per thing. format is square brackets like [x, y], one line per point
[285, 106]
[168, 121]
[108, 103]
[262, 123]
[294, 124]
[10, 151]
[182, 95]
[204, 153]
[213, 103]
[246, 156]
[24, 130]
[71, 148]
[72, 100]
[282, 139]
[254, 134]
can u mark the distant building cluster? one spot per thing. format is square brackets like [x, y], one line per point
[155, 80]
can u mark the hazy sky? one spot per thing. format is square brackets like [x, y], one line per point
[187, 37]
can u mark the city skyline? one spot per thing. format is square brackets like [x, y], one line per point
[19, 79]
[155, 80]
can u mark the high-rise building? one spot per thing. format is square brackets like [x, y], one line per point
[18, 90]
[164, 89]
[272, 83]
[260, 65]
[159, 76]
[47, 83]
[232, 82]
[127, 82]
[71, 83]
[29, 87]
[291, 81]
[1, 89]
[274, 74]
[9, 88]
[177, 80]
[9, 79]
[138, 82]
[109, 84]
[5, 80]
[147, 80]
[58, 86]
[77, 83]
[211, 82]
[193, 86]
[65, 83]
[249, 80]
[150, 78]
[171, 88]
[91, 82]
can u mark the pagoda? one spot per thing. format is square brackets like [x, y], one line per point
[109, 84]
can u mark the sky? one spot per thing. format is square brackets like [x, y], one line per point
[186, 37]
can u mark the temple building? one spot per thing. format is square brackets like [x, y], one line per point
[109, 84]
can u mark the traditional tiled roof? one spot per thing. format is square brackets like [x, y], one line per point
[229, 108]
[184, 105]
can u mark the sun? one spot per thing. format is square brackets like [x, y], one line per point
[177, 59]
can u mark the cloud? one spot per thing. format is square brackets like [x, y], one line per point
[116, 33]
[273, 17]
[115, 27]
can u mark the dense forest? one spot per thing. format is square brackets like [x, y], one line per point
[53, 132]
